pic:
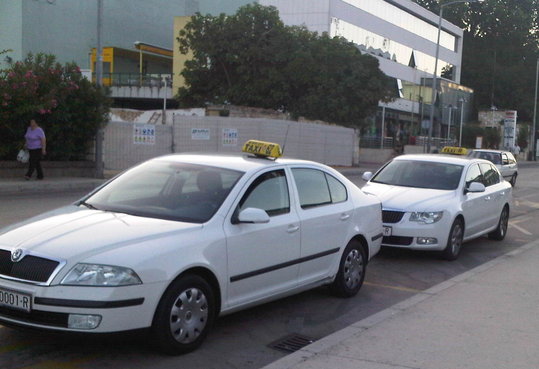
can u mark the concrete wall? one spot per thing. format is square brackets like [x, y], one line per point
[329, 144]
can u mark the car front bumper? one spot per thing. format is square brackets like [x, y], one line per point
[409, 235]
[63, 308]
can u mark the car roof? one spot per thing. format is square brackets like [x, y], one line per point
[240, 162]
[489, 150]
[440, 158]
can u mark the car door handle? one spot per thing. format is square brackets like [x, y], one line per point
[292, 229]
[486, 198]
[344, 216]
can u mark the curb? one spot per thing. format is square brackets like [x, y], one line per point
[292, 360]
[66, 184]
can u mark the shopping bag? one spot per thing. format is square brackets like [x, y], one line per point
[23, 156]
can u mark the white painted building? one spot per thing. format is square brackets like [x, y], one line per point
[402, 35]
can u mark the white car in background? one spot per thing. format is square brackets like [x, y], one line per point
[436, 202]
[173, 243]
[504, 160]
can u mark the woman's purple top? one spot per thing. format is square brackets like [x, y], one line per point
[33, 138]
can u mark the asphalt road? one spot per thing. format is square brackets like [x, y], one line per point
[242, 340]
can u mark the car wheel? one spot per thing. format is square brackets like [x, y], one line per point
[352, 268]
[454, 241]
[513, 180]
[500, 232]
[184, 315]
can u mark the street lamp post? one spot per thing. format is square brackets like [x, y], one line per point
[434, 75]
[535, 112]
[462, 101]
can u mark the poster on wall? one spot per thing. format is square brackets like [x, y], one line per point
[144, 134]
[478, 142]
[230, 137]
[200, 134]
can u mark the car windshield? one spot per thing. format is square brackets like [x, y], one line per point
[167, 190]
[420, 174]
[494, 157]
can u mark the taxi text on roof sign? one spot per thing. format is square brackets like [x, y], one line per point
[454, 150]
[262, 148]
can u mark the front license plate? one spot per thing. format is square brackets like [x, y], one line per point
[15, 300]
[387, 231]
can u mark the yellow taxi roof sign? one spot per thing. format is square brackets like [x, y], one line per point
[453, 150]
[262, 148]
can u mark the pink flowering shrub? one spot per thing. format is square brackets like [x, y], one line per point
[68, 107]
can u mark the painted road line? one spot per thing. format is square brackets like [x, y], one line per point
[520, 229]
[404, 289]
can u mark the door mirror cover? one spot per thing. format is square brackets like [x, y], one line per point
[253, 215]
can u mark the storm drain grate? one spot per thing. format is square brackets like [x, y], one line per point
[291, 343]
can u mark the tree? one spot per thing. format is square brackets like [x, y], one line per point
[251, 58]
[501, 46]
[58, 97]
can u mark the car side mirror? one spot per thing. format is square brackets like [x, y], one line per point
[253, 215]
[366, 176]
[476, 187]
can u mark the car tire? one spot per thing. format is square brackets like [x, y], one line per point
[352, 269]
[513, 180]
[499, 233]
[184, 315]
[454, 241]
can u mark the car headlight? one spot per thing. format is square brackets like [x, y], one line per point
[100, 275]
[427, 217]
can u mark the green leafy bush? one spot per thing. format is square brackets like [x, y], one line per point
[69, 107]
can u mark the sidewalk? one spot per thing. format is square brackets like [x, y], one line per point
[13, 186]
[485, 318]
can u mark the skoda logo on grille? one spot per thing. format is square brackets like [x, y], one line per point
[17, 255]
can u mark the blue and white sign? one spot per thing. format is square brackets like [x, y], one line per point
[144, 134]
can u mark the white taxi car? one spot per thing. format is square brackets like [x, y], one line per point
[178, 240]
[436, 202]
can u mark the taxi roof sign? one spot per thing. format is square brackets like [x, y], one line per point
[263, 149]
[453, 150]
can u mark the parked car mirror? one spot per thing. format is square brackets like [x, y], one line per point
[253, 215]
[476, 187]
[366, 176]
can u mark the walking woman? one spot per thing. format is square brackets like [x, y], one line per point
[36, 143]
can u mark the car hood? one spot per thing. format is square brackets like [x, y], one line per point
[71, 231]
[410, 198]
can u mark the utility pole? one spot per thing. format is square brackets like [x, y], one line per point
[99, 80]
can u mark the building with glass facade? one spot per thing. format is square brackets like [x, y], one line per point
[402, 36]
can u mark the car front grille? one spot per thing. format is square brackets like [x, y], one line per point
[31, 268]
[390, 216]
[397, 240]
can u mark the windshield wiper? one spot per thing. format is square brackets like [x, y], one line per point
[89, 206]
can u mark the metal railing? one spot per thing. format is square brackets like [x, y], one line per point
[374, 142]
[136, 79]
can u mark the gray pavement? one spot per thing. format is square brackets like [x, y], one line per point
[485, 318]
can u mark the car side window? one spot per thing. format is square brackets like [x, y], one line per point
[511, 158]
[317, 188]
[336, 189]
[268, 192]
[490, 174]
[474, 175]
[505, 159]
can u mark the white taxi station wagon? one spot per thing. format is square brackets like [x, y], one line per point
[176, 241]
[437, 202]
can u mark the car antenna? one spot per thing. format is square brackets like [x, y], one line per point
[285, 138]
